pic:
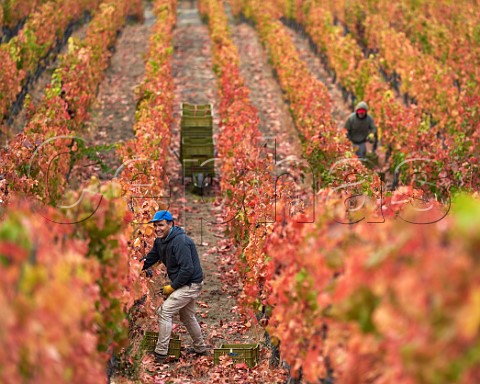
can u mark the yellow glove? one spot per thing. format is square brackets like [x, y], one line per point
[167, 290]
[371, 137]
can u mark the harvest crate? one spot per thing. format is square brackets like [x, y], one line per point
[196, 106]
[205, 132]
[196, 109]
[188, 113]
[196, 143]
[240, 353]
[197, 150]
[150, 341]
[194, 151]
[196, 121]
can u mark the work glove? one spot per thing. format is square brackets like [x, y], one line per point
[371, 137]
[167, 290]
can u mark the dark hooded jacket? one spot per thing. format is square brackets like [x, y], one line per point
[179, 254]
[358, 129]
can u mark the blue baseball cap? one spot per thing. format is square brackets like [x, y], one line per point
[161, 215]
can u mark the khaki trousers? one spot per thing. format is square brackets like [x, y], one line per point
[181, 301]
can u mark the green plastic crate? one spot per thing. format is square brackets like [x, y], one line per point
[197, 140]
[196, 112]
[196, 121]
[196, 144]
[205, 132]
[150, 341]
[240, 353]
[196, 148]
[196, 107]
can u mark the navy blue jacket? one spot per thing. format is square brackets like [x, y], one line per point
[179, 254]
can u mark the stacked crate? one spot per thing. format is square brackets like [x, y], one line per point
[196, 146]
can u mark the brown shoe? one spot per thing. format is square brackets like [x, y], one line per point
[160, 359]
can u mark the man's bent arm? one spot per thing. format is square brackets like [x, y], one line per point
[152, 257]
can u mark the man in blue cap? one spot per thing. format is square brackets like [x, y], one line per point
[178, 253]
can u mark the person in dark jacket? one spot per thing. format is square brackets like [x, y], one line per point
[178, 253]
[361, 128]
